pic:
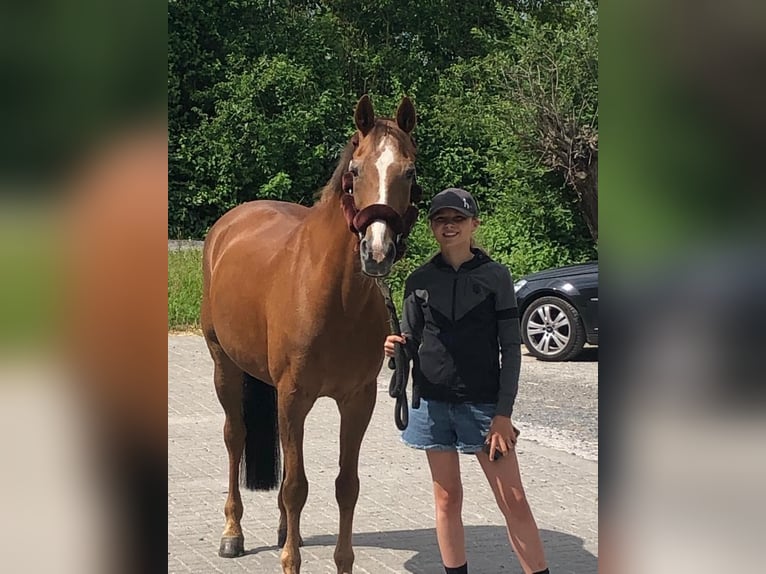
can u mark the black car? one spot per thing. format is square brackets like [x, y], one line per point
[559, 310]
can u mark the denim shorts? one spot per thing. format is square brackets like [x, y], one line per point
[437, 425]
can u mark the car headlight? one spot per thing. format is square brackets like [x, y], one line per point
[518, 285]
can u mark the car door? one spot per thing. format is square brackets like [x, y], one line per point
[587, 284]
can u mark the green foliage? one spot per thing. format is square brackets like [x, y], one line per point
[30, 292]
[532, 231]
[542, 86]
[184, 288]
[261, 98]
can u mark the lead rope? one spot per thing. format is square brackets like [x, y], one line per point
[400, 363]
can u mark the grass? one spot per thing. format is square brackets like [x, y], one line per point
[184, 289]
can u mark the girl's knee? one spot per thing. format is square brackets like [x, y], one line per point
[514, 504]
[449, 500]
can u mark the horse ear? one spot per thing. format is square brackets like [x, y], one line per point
[405, 115]
[364, 116]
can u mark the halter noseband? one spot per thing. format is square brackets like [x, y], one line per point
[359, 221]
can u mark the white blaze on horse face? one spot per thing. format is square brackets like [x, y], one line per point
[385, 160]
[378, 229]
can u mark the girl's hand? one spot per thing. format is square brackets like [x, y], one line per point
[389, 345]
[502, 436]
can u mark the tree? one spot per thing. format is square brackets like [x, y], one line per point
[544, 76]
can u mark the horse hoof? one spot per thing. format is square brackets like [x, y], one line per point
[232, 546]
[282, 538]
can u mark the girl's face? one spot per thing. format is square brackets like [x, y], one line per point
[451, 228]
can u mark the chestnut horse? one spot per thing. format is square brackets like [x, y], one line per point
[291, 312]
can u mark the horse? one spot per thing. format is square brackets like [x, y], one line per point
[291, 312]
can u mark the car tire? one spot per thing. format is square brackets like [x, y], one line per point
[552, 330]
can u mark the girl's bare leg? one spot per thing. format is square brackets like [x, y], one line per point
[448, 498]
[505, 479]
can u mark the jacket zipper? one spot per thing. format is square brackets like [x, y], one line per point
[454, 290]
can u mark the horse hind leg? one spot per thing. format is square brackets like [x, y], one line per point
[355, 414]
[259, 467]
[250, 429]
[228, 386]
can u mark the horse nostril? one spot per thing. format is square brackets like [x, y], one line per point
[364, 248]
[391, 250]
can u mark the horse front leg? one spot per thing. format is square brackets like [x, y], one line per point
[355, 414]
[282, 529]
[293, 409]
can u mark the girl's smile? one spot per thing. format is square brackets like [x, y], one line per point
[449, 225]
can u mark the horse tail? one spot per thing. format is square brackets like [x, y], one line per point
[261, 461]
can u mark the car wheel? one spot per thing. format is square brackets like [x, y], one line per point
[552, 330]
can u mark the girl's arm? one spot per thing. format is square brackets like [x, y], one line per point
[509, 337]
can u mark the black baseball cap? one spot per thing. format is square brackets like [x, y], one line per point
[454, 198]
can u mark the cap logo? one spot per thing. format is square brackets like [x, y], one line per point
[466, 205]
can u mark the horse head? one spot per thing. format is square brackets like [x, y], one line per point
[379, 186]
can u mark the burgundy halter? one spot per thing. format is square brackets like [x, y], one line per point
[359, 221]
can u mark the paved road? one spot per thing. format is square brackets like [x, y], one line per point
[557, 404]
[556, 411]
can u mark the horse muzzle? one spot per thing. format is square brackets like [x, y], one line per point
[377, 256]
[378, 226]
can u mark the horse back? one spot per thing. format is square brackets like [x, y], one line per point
[263, 222]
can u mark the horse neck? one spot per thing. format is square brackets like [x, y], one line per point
[335, 270]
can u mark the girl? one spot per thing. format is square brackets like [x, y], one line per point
[459, 315]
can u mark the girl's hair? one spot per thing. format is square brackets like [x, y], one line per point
[476, 245]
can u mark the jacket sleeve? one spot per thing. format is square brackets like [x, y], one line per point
[412, 318]
[509, 338]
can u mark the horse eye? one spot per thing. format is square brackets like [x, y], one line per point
[354, 170]
[410, 172]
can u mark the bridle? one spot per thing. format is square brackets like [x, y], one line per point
[359, 221]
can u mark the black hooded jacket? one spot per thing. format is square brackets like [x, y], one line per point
[462, 328]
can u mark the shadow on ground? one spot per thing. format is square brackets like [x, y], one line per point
[489, 551]
[587, 355]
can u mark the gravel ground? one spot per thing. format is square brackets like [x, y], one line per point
[557, 404]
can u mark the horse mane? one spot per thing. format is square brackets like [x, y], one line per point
[335, 185]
